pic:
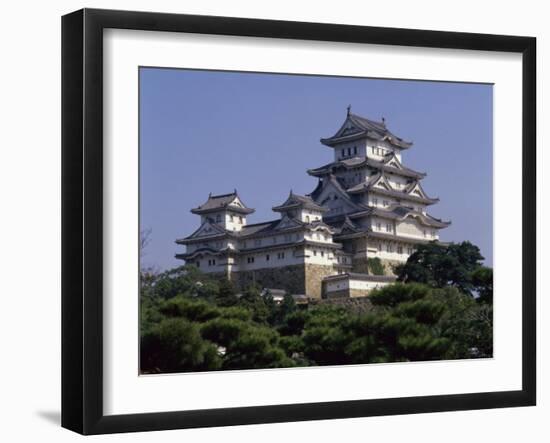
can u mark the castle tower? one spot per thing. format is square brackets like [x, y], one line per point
[377, 204]
[226, 210]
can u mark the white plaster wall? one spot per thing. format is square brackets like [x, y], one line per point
[397, 182]
[361, 150]
[309, 215]
[291, 257]
[319, 235]
[377, 200]
[378, 224]
[412, 228]
[351, 283]
[234, 221]
[389, 255]
[319, 256]
[378, 149]
[338, 285]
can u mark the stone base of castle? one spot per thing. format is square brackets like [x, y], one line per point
[360, 265]
[306, 279]
[347, 293]
[303, 279]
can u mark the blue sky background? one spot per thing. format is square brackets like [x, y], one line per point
[204, 131]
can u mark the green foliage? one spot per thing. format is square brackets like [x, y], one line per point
[438, 265]
[252, 300]
[176, 345]
[227, 294]
[393, 295]
[375, 266]
[482, 280]
[192, 310]
[190, 322]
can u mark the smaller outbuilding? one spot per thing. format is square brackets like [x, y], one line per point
[353, 285]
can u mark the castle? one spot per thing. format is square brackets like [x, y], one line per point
[366, 205]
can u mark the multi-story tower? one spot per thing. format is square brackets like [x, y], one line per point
[376, 204]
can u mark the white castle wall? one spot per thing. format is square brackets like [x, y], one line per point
[346, 150]
[350, 283]
[378, 149]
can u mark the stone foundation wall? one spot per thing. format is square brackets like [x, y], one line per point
[356, 305]
[360, 265]
[314, 275]
[342, 293]
[346, 293]
[389, 265]
[290, 278]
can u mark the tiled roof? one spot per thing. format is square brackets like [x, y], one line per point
[364, 127]
[364, 161]
[222, 201]
[404, 195]
[400, 212]
[298, 201]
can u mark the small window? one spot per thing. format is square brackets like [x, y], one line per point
[355, 150]
[380, 247]
[240, 220]
[425, 235]
[388, 227]
[343, 153]
[218, 218]
[349, 151]
[400, 249]
[231, 218]
[258, 242]
[307, 218]
[322, 253]
[378, 226]
[385, 203]
[267, 257]
[250, 259]
[198, 263]
[375, 202]
[315, 252]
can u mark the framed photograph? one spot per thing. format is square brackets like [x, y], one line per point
[269, 221]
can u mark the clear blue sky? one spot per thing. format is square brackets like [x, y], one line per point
[203, 131]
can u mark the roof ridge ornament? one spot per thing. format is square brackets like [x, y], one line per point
[349, 110]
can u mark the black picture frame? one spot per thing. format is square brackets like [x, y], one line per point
[82, 218]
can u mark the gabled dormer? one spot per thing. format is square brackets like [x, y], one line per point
[301, 208]
[225, 210]
[415, 189]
